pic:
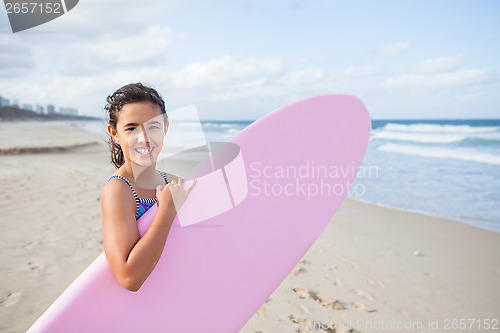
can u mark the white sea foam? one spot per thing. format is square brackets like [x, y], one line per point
[233, 131]
[439, 152]
[219, 125]
[419, 137]
[435, 133]
[440, 128]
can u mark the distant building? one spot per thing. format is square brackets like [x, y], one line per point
[4, 101]
[51, 109]
[28, 107]
[15, 103]
[39, 109]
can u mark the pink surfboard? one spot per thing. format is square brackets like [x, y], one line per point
[215, 273]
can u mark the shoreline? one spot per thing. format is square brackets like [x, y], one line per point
[79, 124]
[43, 150]
[89, 137]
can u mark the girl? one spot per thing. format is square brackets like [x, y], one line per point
[137, 124]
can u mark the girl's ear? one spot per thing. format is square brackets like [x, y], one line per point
[166, 127]
[112, 131]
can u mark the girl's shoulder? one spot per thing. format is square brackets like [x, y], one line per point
[119, 178]
[118, 185]
[116, 196]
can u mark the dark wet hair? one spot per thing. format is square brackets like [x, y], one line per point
[130, 93]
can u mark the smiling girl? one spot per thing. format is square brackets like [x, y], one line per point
[137, 125]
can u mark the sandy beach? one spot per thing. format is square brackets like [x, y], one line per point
[371, 270]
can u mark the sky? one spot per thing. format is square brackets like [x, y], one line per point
[239, 60]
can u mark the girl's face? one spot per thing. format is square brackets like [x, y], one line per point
[140, 130]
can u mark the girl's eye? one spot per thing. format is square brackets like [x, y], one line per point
[130, 129]
[154, 127]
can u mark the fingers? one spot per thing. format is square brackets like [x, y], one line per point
[190, 187]
[180, 182]
[159, 188]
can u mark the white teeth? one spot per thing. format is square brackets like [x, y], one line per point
[144, 151]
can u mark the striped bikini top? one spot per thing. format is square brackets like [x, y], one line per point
[143, 204]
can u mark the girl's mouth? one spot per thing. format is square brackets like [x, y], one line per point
[144, 152]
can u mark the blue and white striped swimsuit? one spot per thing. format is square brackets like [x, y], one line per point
[143, 204]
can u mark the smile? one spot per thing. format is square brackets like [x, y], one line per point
[144, 152]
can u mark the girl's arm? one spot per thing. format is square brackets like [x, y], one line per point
[131, 257]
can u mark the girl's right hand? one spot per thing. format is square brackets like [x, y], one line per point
[172, 195]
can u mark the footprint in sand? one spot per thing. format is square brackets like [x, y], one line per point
[363, 307]
[301, 324]
[350, 263]
[329, 302]
[35, 267]
[303, 308]
[335, 281]
[373, 281]
[304, 325]
[31, 245]
[361, 293]
[331, 268]
[10, 299]
[325, 301]
[304, 262]
[297, 270]
[302, 293]
[261, 312]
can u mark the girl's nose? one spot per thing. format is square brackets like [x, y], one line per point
[143, 136]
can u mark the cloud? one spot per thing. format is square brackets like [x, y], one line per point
[225, 71]
[303, 77]
[96, 72]
[16, 59]
[104, 54]
[461, 77]
[392, 49]
[360, 71]
[440, 72]
[242, 85]
[92, 19]
[142, 47]
[442, 64]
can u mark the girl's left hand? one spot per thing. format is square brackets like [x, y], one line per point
[173, 194]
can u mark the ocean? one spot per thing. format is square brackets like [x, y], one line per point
[445, 168]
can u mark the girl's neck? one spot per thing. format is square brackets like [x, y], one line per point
[143, 176]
